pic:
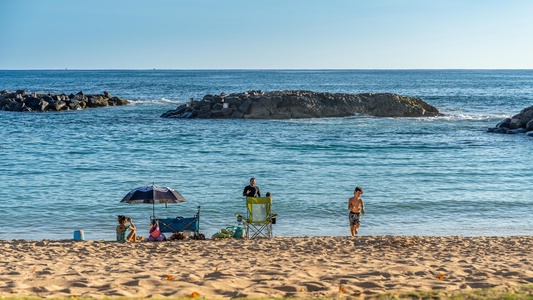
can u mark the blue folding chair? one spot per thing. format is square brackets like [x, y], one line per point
[180, 225]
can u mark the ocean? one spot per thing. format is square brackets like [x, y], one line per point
[442, 176]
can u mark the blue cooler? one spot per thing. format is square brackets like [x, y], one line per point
[239, 232]
[78, 235]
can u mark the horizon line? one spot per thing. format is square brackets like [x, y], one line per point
[275, 69]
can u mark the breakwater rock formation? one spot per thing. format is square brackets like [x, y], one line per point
[20, 101]
[301, 104]
[519, 123]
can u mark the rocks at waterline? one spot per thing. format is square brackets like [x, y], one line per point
[519, 123]
[19, 101]
[301, 104]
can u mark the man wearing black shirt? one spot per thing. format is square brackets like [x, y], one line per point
[251, 190]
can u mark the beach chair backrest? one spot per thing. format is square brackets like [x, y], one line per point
[178, 224]
[259, 209]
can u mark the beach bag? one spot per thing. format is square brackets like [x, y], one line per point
[230, 229]
[155, 232]
[225, 233]
[159, 238]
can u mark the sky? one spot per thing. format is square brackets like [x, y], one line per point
[266, 34]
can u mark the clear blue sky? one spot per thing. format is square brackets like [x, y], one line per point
[266, 34]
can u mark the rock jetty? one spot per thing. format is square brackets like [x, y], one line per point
[22, 102]
[301, 104]
[519, 123]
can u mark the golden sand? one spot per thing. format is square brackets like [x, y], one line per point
[303, 267]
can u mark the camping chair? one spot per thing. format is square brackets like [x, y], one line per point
[181, 224]
[259, 217]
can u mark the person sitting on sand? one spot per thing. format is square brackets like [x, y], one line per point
[122, 229]
[356, 207]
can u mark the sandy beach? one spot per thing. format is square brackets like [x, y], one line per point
[298, 266]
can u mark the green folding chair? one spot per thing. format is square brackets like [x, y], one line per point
[259, 217]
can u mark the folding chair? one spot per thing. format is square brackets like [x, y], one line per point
[181, 224]
[259, 217]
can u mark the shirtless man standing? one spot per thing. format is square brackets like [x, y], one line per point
[356, 206]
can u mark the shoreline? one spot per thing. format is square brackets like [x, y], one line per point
[303, 267]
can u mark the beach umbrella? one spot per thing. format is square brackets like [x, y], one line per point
[152, 194]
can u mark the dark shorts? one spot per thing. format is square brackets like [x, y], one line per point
[355, 218]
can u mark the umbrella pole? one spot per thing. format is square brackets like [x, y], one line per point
[153, 199]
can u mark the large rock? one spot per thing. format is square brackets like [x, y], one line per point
[519, 123]
[21, 102]
[303, 104]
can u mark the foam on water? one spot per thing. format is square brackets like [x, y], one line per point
[162, 101]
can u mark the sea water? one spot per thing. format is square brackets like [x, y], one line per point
[68, 171]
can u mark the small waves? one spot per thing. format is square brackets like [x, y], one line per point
[162, 101]
[462, 115]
